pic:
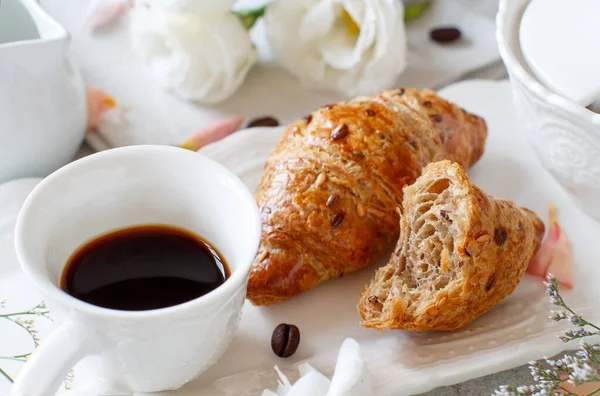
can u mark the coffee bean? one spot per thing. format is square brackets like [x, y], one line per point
[263, 122]
[340, 132]
[500, 235]
[444, 35]
[285, 340]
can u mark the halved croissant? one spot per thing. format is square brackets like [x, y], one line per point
[330, 189]
[460, 252]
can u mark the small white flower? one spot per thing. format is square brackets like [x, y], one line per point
[199, 56]
[350, 46]
[557, 315]
[581, 372]
[523, 389]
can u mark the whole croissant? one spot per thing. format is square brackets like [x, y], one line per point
[330, 189]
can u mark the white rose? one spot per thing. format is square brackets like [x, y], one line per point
[350, 46]
[201, 57]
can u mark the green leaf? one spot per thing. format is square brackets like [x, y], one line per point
[249, 17]
[414, 10]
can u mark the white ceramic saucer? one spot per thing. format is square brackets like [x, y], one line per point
[513, 333]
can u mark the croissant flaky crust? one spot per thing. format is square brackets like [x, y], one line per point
[460, 252]
[330, 189]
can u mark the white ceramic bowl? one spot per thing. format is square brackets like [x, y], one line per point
[564, 135]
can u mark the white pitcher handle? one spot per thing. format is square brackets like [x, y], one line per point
[48, 366]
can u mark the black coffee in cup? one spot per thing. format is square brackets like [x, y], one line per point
[144, 267]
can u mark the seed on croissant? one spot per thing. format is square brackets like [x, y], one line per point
[377, 213]
[360, 209]
[337, 219]
[444, 215]
[370, 112]
[332, 200]
[500, 235]
[263, 255]
[321, 179]
[483, 238]
[340, 132]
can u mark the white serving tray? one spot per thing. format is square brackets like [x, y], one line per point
[514, 332]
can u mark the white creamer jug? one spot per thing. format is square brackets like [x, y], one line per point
[42, 96]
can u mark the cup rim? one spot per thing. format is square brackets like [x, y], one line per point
[222, 294]
[519, 72]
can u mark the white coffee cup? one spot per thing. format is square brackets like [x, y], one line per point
[147, 350]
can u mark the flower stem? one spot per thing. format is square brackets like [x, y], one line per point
[565, 306]
[593, 392]
[22, 314]
[567, 392]
[6, 376]
[249, 17]
[18, 358]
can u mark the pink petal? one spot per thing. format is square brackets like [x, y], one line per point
[541, 261]
[561, 266]
[107, 12]
[583, 389]
[212, 132]
[554, 255]
[98, 103]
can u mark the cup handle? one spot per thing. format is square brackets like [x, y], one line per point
[48, 366]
